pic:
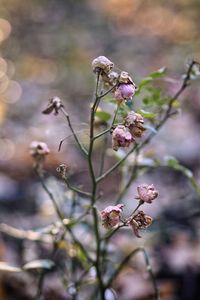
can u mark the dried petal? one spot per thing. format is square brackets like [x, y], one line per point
[134, 122]
[140, 221]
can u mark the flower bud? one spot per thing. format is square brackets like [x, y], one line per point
[124, 92]
[102, 64]
[135, 123]
[55, 104]
[121, 137]
[111, 215]
[146, 193]
[140, 221]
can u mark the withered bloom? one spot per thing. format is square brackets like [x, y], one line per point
[62, 169]
[102, 64]
[39, 150]
[121, 137]
[54, 104]
[135, 122]
[111, 215]
[147, 193]
[140, 221]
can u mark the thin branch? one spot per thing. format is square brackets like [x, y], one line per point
[84, 151]
[75, 189]
[148, 268]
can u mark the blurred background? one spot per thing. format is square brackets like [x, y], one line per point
[46, 49]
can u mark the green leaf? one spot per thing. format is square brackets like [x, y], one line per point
[147, 114]
[160, 72]
[174, 163]
[39, 264]
[4, 267]
[103, 116]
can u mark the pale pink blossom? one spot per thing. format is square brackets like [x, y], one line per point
[147, 193]
[39, 149]
[124, 92]
[121, 137]
[111, 215]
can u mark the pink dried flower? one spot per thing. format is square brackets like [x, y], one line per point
[121, 137]
[39, 149]
[124, 92]
[140, 221]
[55, 104]
[102, 64]
[147, 193]
[135, 123]
[111, 215]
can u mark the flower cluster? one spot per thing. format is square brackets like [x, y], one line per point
[111, 215]
[124, 135]
[123, 85]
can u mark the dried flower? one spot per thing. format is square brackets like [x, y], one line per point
[54, 104]
[38, 149]
[124, 92]
[111, 215]
[121, 137]
[110, 79]
[140, 221]
[102, 64]
[135, 123]
[62, 169]
[124, 77]
[146, 193]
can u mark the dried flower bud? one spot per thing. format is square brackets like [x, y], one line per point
[62, 169]
[135, 123]
[147, 193]
[110, 79]
[124, 77]
[102, 64]
[124, 92]
[54, 104]
[111, 215]
[39, 149]
[140, 221]
[121, 137]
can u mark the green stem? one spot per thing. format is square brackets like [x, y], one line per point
[148, 268]
[93, 196]
[84, 151]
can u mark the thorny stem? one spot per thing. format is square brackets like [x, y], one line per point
[148, 268]
[84, 151]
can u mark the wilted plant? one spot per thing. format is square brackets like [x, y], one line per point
[130, 131]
